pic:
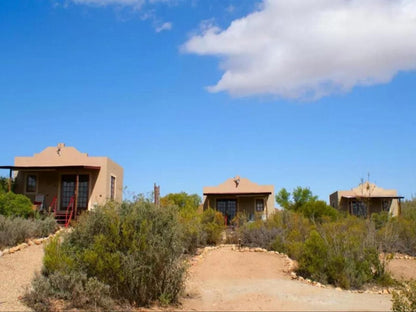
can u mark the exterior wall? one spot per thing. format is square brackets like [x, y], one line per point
[371, 195]
[245, 192]
[49, 182]
[246, 204]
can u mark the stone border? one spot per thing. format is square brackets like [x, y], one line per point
[29, 242]
[291, 265]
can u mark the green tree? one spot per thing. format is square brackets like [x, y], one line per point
[182, 200]
[299, 197]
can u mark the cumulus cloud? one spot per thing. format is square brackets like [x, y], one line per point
[164, 26]
[312, 48]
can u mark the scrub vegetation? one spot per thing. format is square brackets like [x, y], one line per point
[332, 247]
[133, 252]
[18, 221]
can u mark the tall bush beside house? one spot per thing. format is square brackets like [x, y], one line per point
[131, 251]
[213, 225]
[15, 205]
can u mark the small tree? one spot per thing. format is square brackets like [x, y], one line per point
[300, 196]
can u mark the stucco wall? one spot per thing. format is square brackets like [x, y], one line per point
[49, 183]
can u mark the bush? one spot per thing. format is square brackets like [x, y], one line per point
[256, 234]
[134, 249]
[404, 300]
[14, 231]
[343, 253]
[212, 225]
[74, 287]
[15, 205]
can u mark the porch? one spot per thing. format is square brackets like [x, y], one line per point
[56, 188]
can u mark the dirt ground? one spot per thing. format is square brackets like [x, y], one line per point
[402, 269]
[16, 272]
[226, 280]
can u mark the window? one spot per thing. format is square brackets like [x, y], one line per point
[259, 204]
[358, 209]
[112, 187]
[31, 181]
[228, 207]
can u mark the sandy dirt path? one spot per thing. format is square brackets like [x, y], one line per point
[16, 272]
[230, 280]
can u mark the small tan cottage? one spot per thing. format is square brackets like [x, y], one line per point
[61, 175]
[366, 199]
[240, 195]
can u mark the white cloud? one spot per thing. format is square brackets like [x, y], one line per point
[132, 3]
[164, 26]
[311, 48]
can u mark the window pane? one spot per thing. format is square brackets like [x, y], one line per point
[259, 204]
[31, 184]
[113, 187]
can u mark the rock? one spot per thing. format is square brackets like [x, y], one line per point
[24, 245]
[1, 253]
[30, 242]
[12, 250]
[293, 275]
[301, 278]
[37, 241]
[338, 289]
[6, 251]
[308, 281]
[385, 291]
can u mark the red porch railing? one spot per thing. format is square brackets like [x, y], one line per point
[63, 216]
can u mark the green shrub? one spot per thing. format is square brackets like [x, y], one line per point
[134, 249]
[16, 230]
[317, 210]
[194, 236]
[72, 287]
[344, 253]
[15, 205]
[212, 225]
[404, 299]
[257, 234]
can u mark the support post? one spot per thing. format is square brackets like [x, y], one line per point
[156, 193]
[76, 196]
[10, 180]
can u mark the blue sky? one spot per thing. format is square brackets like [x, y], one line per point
[186, 94]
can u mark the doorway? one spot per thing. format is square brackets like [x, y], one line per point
[68, 184]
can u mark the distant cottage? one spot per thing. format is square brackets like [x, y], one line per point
[366, 199]
[240, 195]
[63, 176]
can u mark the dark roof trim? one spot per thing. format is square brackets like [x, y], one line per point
[49, 168]
[351, 196]
[237, 194]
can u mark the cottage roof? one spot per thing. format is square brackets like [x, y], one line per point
[240, 186]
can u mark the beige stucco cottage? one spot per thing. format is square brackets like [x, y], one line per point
[366, 199]
[61, 174]
[240, 195]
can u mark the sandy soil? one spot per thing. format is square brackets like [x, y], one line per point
[402, 269]
[16, 273]
[223, 279]
[230, 280]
